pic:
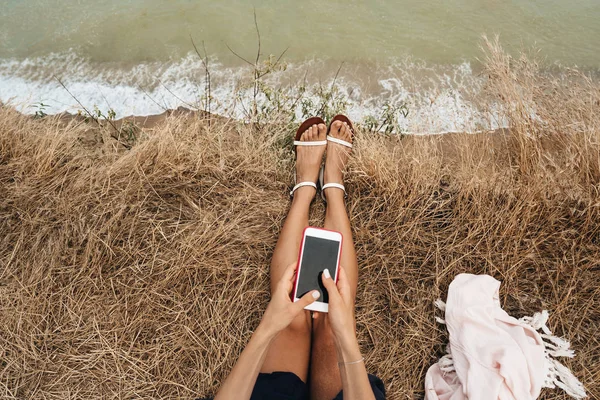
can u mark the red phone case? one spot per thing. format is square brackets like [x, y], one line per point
[337, 270]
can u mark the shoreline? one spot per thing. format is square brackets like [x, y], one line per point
[448, 146]
[438, 98]
[154, 120]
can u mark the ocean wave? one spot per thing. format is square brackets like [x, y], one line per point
[438, 98]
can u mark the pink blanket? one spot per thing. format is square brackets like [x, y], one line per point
[492, 355]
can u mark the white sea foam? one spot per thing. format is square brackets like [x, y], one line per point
[438, 98]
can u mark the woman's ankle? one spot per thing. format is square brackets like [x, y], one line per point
[335, 195]
[304, 194]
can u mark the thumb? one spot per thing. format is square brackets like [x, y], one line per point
[329, 284]
[307, 299]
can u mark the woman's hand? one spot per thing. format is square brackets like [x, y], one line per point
[341, 306]
[281, 310]
[355, 380]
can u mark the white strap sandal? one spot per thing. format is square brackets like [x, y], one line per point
[343, 118]
[324, 185]
[297, 142]
[328, 185]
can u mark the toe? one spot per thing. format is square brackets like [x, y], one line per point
[322, 131]
[335, 128]
[304, 136]
[313, 132]
[347, 133]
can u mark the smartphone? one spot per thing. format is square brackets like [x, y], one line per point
[320, 249]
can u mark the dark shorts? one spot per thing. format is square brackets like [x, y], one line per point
[287, 386]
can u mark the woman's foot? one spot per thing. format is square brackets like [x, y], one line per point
[308, 158]
[337, 157]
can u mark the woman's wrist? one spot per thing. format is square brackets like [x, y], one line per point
[347, 338]
[265, 332]
[347, 347]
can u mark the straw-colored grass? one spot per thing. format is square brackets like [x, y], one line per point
[141, 273]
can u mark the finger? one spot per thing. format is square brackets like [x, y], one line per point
[343, 284]
[289, 275]
[329, 285]
[307, 299]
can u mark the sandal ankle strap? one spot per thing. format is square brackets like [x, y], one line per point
[328, 185]
[301, 184]
[333, 185]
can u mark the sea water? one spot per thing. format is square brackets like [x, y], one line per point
[137, 57]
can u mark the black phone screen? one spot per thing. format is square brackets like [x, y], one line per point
[318, 254]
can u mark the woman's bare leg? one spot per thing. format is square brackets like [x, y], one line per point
[290, 351]
[325, 377]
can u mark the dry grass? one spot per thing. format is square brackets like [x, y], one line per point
[142, 272]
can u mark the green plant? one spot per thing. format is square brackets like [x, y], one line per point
[40, 111]
[324, 102]
[129, 131]
[109, 116]
[388, 121]
[267, 99]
